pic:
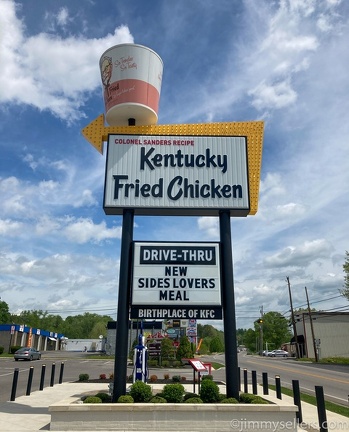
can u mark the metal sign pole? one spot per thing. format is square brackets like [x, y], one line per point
[121, 354]
[231, 360]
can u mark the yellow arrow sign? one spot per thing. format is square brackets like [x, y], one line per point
[96, 133]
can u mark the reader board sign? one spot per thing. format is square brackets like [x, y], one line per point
[176, 281]
[176, 175]
[198, 366]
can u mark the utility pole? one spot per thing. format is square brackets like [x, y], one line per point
[292, 317]
[261, 331]
[312, 327]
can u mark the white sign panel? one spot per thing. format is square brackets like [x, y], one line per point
[176, 175]
[176, 275]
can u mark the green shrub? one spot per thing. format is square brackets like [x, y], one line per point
[105, 398]
[165, 363]
[166, 376]
[194, 400]
[189, 395]
[230, 400]
[14, 348]
[249, 398]
[260, 400]
[93, 400]
[152, 363]
[1, 349]
[209, 391]
[84, 377]
[173, 393]
[125, 399]
[209, 377]
[158, 399]
[246, 397]
[140, 391]
[176, 378]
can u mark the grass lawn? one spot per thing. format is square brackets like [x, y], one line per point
[330, 406]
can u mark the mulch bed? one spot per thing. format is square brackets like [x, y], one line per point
[158, 381]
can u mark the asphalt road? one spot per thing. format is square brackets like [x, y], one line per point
[333, 378]
[75, 363]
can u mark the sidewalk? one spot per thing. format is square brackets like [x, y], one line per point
[30, 413]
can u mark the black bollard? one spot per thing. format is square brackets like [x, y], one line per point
[265, 383]
[321, 409]
[42, 378]
[245, 381]
[239, 378]
[254, 382]
[297, 400]
[14, 384]
[278, 386]
[53, 369]
[61, 373]
[30, 380]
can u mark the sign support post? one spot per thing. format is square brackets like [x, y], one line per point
[121, 354]
[229, 321]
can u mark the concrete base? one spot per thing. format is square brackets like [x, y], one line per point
[69, 415]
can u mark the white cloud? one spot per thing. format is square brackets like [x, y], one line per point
[47, 71]
[84, 230]
[277, 95]
[290, 210]
[210, 225]
[10, 228]
[87, 199]
[284, 61]
[63, 17]
[300, 256]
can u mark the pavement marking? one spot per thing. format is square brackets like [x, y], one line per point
[297, 371]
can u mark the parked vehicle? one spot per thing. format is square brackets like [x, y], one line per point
[27, 354]
[278, 353]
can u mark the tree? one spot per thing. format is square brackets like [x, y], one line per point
[216, 345]
[208, 333]
[84, 326]
[184, 349]
[240, 336]
[275, 329]
[345, 290]
[5, 316]
[167, 349]
[250, 339]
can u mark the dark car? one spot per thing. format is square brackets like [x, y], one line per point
[27, 354]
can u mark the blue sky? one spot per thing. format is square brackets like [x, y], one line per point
[285, 62]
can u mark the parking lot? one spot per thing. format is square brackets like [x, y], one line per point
[73, 363]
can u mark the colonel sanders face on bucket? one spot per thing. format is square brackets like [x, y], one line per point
[106, 71]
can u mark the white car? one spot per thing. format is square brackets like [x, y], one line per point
[278, 353]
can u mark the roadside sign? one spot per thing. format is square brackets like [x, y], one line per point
[176, 280]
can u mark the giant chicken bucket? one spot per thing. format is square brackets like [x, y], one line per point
[131, 77]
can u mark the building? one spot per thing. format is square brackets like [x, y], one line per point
[149, 327]
[25, 336]
[325, 332]
[85, 345]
